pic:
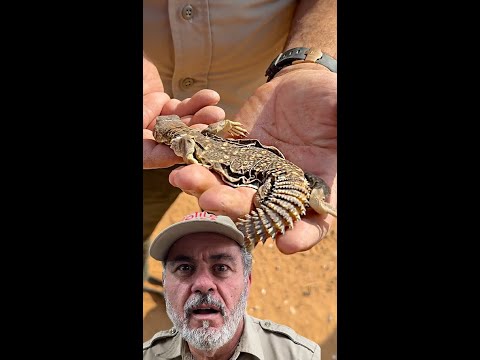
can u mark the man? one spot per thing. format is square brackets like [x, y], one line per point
[206, 279]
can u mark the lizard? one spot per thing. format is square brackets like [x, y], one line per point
[284, 190]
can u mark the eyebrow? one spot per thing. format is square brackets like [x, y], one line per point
[215, 257]
[182, 258]
[222, 256]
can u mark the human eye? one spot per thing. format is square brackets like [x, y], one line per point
[184, 269]
[221, 269]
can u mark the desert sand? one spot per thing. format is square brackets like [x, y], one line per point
[298, 290]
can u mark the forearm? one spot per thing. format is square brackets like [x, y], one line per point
[314, 25]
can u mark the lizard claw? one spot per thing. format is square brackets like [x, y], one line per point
[317, 202]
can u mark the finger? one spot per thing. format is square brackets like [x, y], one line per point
[200, 99]
[305, 234]
[207, 115]
[170, 107]
[203, 117]
[158, 155]
[226, 200]
[193, 179]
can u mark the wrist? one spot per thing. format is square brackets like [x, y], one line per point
[300, 55]
[300, 67]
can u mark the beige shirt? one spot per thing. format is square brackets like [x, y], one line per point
[222, 45]
[261, 340]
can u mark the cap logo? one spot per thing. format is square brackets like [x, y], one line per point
[200, 215]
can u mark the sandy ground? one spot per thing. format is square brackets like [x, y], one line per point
[298, 290]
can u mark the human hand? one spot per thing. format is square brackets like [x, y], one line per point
[199, 109]
[297, 113]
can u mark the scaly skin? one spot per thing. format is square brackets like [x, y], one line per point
[284, 191]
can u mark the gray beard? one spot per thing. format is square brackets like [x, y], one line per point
[207, 338]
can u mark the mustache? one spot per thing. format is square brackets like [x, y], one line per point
[201, 299]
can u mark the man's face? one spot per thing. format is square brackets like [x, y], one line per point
[205, 289]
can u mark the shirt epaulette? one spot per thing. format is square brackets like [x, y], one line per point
[160, 335]
[271, 326]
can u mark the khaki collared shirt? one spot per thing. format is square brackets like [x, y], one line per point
[222, 45]
[261, 340]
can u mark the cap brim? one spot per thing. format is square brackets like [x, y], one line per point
[162, 243]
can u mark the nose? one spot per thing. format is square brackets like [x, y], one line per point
[203, 282]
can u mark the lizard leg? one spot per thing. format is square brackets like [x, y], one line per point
[184, 146]
[317, 196]
[224, 128]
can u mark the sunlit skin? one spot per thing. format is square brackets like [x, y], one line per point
[199, 109]
[204, 263]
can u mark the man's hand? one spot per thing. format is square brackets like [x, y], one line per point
[297, 113]
[199, 109]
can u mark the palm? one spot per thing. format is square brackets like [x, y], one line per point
[302, 124]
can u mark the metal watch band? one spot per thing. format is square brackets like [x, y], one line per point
[300, 55]
[329, 62]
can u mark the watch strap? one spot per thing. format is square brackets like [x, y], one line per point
[300, 55]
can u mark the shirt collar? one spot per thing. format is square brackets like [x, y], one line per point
[250, 342]
[175, 349]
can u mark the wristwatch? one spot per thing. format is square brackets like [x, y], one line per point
[300, 55]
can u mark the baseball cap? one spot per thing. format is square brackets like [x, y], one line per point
[194, 223]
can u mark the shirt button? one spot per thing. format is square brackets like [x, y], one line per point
[187, 82]
[187, 12]
[267, 323]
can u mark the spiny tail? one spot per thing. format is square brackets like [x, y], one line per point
[279, 202]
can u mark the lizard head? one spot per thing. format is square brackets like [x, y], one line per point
[167, 128]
